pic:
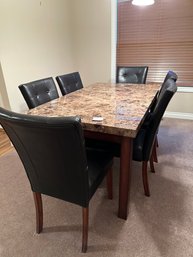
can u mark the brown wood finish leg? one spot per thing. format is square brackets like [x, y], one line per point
[151, 164]
[85, 214]
[156, 141]
[154, 152]
[109, 180]
[125, 176]
[145, 178]
[39, 212]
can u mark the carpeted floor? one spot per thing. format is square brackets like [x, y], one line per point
[161, 225]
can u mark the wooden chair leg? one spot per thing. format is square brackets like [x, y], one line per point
[151, 164]
[156, 141]
[85, 214]
[154, 152]
[145, 178]
[39, 212]
[109, 181]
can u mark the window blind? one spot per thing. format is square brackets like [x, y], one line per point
[159, 36]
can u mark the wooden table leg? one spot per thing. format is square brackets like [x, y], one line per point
[125, 176]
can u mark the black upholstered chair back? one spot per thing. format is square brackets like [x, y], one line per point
[170, 75]
[69, 82]
[53, 154]
[39, 92]
[156, 116]
[135, 75]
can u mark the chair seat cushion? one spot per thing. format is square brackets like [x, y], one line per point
[98, 164]
[103, 146]
[114, 148]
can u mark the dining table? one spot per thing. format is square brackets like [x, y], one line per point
[111, 112]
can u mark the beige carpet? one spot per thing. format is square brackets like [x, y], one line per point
[161, 225]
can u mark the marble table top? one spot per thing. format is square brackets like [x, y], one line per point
[122, 107]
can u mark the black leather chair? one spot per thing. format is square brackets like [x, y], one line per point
[170, 75]
[69, 82]
[53, 154]
[39, 92]
[145, 140]
[134, 75]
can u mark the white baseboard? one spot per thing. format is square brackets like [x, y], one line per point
[179, 115]
[185, 89]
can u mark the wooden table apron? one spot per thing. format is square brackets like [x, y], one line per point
[123, 108]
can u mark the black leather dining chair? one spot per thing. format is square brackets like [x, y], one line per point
[69, 82]
[134, 75]
[39, 92]
[56, 163]
[145, 140]
[170, 75]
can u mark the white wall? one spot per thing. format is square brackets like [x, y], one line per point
[35, 42]
[181, 106]
[4, 100]
[91, 23]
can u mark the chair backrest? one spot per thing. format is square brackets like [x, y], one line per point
[53, 153]
[136, 75]
[170, 75]
[39, 92]
[156, 117]
[69, 82]
[144, 140]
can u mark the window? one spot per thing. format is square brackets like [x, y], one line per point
[159, 36]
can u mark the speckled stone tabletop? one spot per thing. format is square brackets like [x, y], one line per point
[122, 107]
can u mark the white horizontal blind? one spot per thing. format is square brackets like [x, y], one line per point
[159, 36]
